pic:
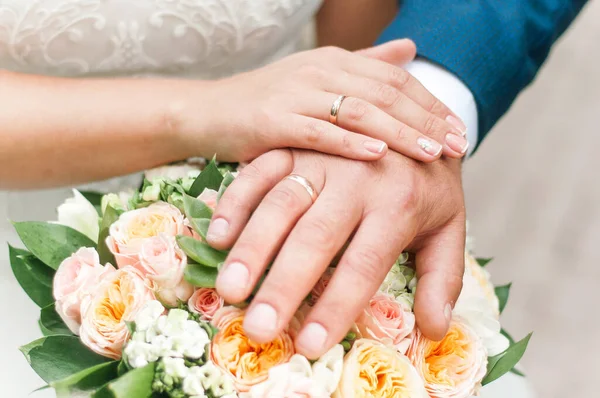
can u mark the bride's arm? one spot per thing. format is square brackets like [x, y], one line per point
[57, 131]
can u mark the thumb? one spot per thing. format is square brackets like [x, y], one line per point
[440, 267]
[396, 52]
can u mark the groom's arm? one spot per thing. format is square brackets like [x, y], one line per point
[494, 48]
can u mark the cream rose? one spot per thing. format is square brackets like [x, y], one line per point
[453, 367]
[162, 262]
[129, 232]
[206, 302]
[372, 369]
[117, 300]
[387, 320]
[75, 279]
[78, 213]
[298, 378]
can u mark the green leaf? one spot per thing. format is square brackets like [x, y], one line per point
[200, 225]
[45, 332]
[51, 321]
[502, 293]
[195, 208]
[227, 180]
[123, 367]
[57, 357]
[136, 383]
[200, 276]
[51, 243]
[210, 178]
[38, 291]
[110, 216]
[504, 362]
[88, 380]
[508, 336]
[39, 270]
[517, 372]
[95, 198]
[483, 261]
[200, 252]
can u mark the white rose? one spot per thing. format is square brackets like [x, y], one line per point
[78, 213]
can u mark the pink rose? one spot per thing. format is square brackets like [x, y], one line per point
[129, 232]
[388, 321]
[75, 278]
[205, 301]
[209, 197]
[320, 287]
[162, 262]
[117, 300]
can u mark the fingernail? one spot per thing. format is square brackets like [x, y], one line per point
[456, 122]
[261, 320]
[456, 143]
[430, 147]
[233, 279]
[217, 229]
[448, 312]
[312, 339]
[375, 146]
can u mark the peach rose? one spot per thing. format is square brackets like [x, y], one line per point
[209, 197]
[162, 262]
[371, 369]
[320, 287]
[132, 228]
[206, 302]
[75, 278]
[388, 321]
[247, 362]
[453, 367]
[117, 300]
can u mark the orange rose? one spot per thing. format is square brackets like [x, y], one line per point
[244, 360]
[453, 367]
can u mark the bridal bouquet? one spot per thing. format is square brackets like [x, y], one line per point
[126, 281]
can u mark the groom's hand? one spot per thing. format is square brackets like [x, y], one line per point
[382, 207]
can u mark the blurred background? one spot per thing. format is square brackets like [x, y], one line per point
[533, 199]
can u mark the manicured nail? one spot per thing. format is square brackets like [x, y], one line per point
[233, 280]
[430, 147]
[456, 122]
[457, 143]
[375, 146]
[261, 320]
[448, 312]
[312, 339]
[218, 229]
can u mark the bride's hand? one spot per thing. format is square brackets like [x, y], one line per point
[288, 104]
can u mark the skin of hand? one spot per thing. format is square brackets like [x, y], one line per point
[381, 207]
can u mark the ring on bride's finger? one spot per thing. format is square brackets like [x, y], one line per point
[335, 109]
[305, 184]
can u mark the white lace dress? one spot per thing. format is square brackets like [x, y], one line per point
[202, 39]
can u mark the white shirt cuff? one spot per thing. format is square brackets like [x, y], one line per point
[451, 91]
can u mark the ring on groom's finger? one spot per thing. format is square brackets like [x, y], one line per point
[305, 184]
[335, 109]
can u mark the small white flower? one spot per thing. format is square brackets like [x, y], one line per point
[175, 367]
[139, 354]
[78, 213]
[175, 322]
[192, 384]
[406, 299]
[164, 346]
[148, 315]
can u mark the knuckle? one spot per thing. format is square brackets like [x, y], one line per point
[312, 71]
[402, 132]
[387, 96]
[437, 107]
[356, 110]
[432, 126]
[317, 233]
[332, 51]
[233, 204]
[406, 200]
[283, 199]
[347, 141]
[399, 77]
[367, 263]
[312, 132]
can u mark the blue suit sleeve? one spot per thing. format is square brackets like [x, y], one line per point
[495, 47]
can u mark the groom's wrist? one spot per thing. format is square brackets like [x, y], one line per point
[451, 91]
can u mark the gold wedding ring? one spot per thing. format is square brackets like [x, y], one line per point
[305, 184]
[335, 109]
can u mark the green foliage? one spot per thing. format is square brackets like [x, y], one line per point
[136, 383]
[111, 215]
[227, 180]
[200, 276]
[503, 363]
[51, 243]
[201, 252]
[95, 198]
[483, 261]
[87, 381]
[33, 276]
[209, 178]
[195, 208]
[200, 225]
[57, 357]
[502, 292]
[51, 321]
